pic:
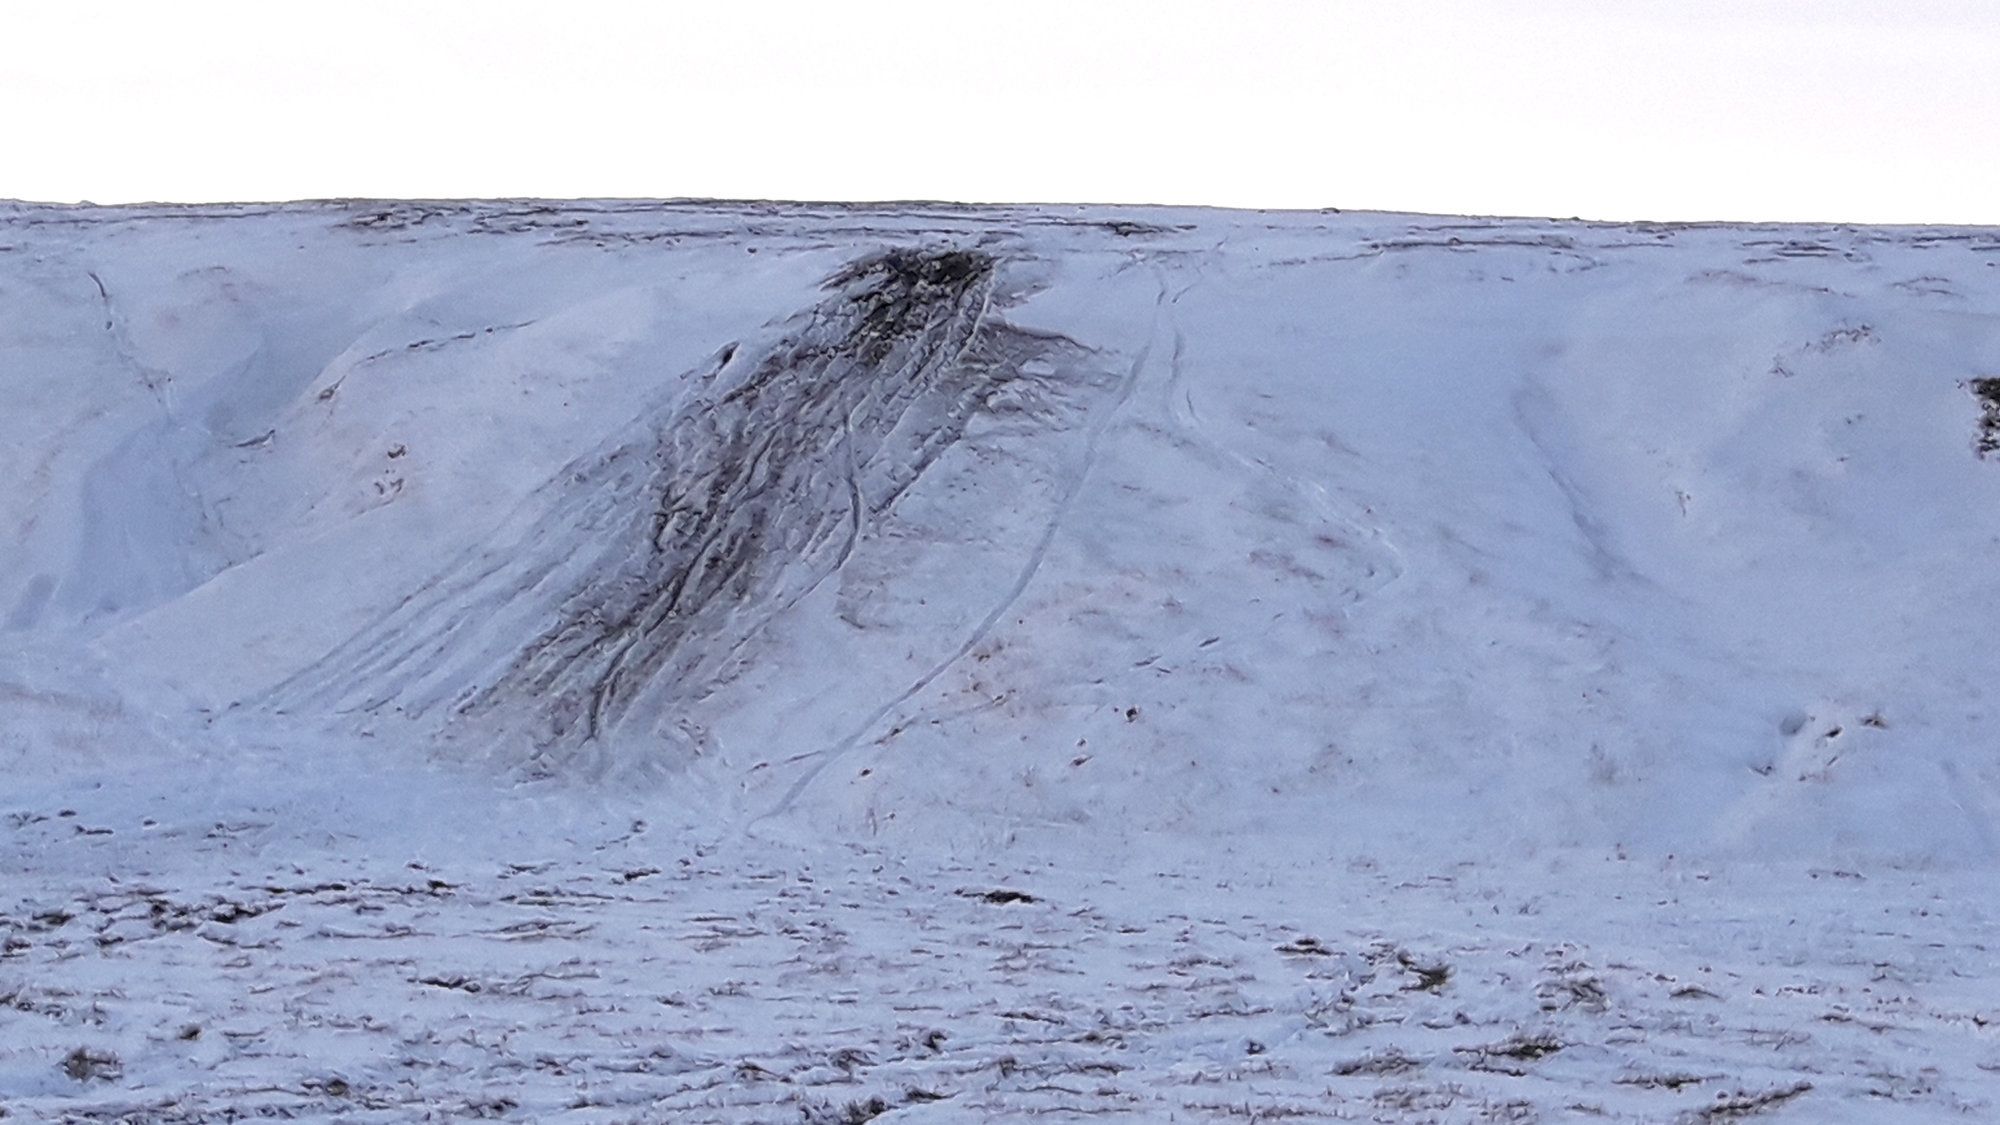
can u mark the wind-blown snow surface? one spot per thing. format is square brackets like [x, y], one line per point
[604, 658]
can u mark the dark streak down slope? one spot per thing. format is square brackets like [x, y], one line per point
[656, 561]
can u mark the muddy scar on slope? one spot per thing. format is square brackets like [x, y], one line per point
[639, 579]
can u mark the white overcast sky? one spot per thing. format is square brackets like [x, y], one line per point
[1852, 110]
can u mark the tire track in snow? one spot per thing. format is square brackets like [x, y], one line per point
[1382, 573]
[630, 586]
[148, 529]
[821, 759]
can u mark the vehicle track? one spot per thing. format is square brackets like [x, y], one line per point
[821, 759]
[640, 575]
[1383, 570]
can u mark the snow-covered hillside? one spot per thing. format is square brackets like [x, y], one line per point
[389, 585]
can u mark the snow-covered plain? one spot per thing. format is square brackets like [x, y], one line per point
[701, 662]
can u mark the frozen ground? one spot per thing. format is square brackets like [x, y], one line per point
[695, 662]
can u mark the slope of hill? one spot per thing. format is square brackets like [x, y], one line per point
[460, 561]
